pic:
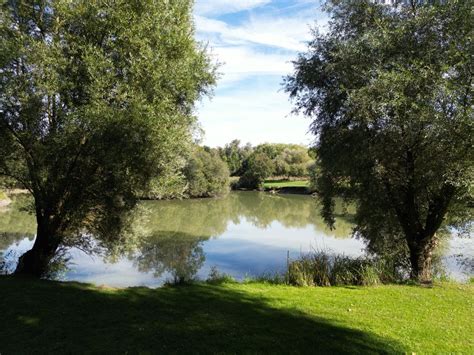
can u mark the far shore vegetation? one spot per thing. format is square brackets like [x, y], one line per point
[211, 172]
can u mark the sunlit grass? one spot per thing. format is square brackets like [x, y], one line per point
[285, 183]
[45, 317]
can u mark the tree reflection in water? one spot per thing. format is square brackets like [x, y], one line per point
[169, 236]
[177, 253]
[211, 216]
[176, 230]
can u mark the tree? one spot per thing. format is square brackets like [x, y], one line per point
[282, 168]
[234, 155]
[271, 150]
[258, 167]
[297, 159]
[206, 174]
[96, 97]
[390, 94]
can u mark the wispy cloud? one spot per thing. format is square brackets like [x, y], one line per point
[219, 7]
[241, 62]
[255, 40]
[256, 113]
[281, 32]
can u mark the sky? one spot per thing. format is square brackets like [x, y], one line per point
[255, 42]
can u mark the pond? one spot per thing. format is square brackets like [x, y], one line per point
[242, 234]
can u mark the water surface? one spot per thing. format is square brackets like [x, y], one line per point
[242, 234]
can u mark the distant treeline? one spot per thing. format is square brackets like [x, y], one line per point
[205, 171]
[201, 171]
[255, 164]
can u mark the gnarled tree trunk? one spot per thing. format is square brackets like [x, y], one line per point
[421, 256]
[35, 262]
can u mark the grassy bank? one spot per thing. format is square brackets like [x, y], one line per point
[278, 184]
[70, 317]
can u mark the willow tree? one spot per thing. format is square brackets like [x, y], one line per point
[96, 97]
[389, 90]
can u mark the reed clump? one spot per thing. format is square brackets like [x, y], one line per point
[321, 268]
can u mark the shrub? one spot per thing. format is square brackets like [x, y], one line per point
[298, 170]
[206, 174]
[258, 167]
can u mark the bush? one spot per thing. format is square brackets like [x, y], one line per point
[206, 174]
[298, 170]
[258, 168]
[282, 168]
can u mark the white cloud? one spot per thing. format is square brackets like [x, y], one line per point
[289, 33]
[240, 62]
[256, 49]
[255, 114]
[261, 44]
[219, 7]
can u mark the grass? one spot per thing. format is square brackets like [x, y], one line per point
[3, 195]
[45, 317]
[278, 184]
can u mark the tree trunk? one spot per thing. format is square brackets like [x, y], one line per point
[421, 255]
[35, 262]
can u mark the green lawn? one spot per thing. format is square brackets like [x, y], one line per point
[3, 195]
[285, 183]
[45, 317]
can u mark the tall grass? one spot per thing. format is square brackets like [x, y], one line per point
[321, 268]
[216, 277]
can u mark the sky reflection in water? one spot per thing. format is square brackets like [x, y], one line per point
[245, 233]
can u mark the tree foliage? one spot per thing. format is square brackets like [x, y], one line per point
[235, 155]
[96, 98]
[206, 174]
[390, 94]
[258, 168]
[199, 172]
[288, 160]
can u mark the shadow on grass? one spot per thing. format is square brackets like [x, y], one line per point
[68, 317]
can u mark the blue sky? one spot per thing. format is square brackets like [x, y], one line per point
[254, 40]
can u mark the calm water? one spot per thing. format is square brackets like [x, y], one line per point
[243, 234]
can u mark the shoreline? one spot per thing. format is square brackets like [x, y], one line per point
[287, 190]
